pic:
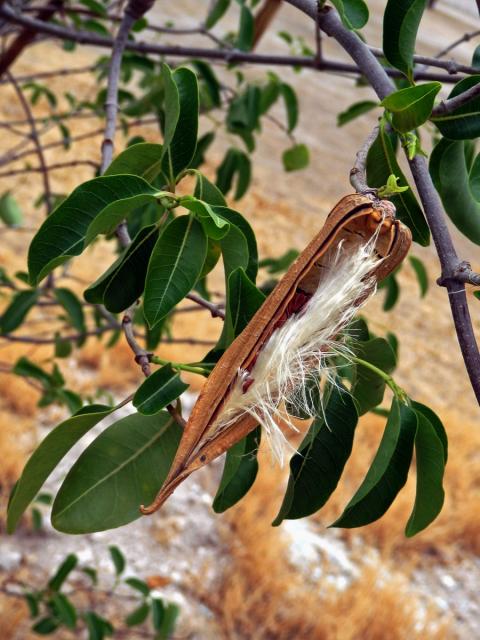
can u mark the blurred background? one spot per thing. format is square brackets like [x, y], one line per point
[233, 575]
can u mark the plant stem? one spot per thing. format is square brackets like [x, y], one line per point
[397, 390]
[180, 366]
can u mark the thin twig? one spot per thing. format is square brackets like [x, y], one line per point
[51, 167]
[230, 56]
[358, 173]
[447, 106]
[35, 139]
[142, 357]
[213, 308]
[451, 66]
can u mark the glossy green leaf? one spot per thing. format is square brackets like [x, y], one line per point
[94, 207]
[214, 225]
[243, 301]
[354, 111]
[138, 615]
[143, 159]
[388, 471]
[122, 469]
[181, 149]
[317, 467]
[430, 463]
[118, 559]
[436, 423]
[10, 212]
[354, 13]
[239, 472]
[48, 454]
[368, 387]
[400, 25]
[217, 10]
[296, 158]
[161, 388]
[207, 191]
[454, 184]
[123, 282]
[233, 244]
[411, 107]
[210, 84]
[175, 265]
[381, 163]
[421, 273]
[72, 306]
[17, 310]
[61, 574]
[169, 619]
[246, 29]
[462, 123]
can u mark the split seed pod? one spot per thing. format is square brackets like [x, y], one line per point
[355, 223]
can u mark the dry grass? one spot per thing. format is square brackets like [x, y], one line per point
[262, 595]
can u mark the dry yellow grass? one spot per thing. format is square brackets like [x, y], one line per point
[262, 595]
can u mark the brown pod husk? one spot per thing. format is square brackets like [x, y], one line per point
[353, 221]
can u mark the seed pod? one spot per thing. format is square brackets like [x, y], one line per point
[354, 223]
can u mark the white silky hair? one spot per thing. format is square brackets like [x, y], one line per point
[300, 351]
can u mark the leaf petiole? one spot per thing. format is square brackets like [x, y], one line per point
[180, 366]
[400, 394]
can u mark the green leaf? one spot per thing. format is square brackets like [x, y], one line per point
[207, 191]
[436, 423]
[210, 82]
[138, 615]
[138, 585]
[296, 158]
[462, 123]
[243, 301]
[47, 456]
[411, 107]
[61, 574]
[125, 466]
[235, 166]
[233, 244]
[17, 310]
[216, 12]
[381, 163]
[393, 291]
[388, 471]
[456, 186]
[45, 626]
[400, 25]
[27, 368]
[124, 280]
[391, 188]
[98, 627]
[278, 265]
[239, 472]
[354, 13]
[143, 159]
[368, 387]
[64, 610]
[354, 111]
[316, 469]
[118, 559]
[291, 105]
[175, 266]
[73, 307]
[181, 149]
[96, 206]
[421, 273]
[430, 463]
[63, 348]
[214, 225]
[169, 620]
[246, 29]
[10, 212]
[158, 390]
